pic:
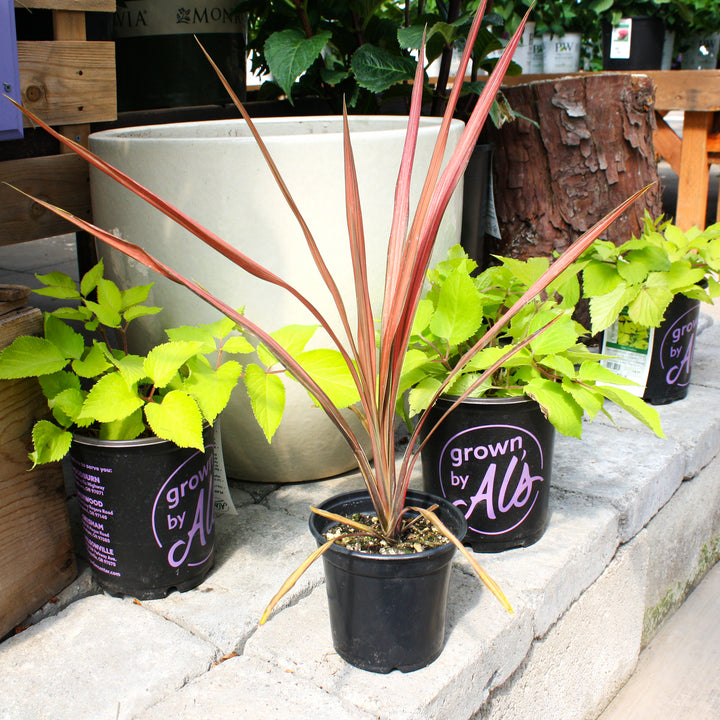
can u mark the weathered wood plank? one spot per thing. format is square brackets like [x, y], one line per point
[68, 82]
[36, 549]
[59, 179]
[674, 89]
[78, 5]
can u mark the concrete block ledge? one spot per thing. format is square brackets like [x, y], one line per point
[635, 525]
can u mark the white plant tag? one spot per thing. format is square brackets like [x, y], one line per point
[221, 494]
[630, 347]
[621, 40]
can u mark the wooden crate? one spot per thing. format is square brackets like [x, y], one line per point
[37, 558]
[69, 82]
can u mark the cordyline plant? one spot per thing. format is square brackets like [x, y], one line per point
[375, 368]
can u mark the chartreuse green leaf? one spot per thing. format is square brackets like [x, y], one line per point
[648, 308]
[420, 396]
[682, 275]
[67, 405]
[177, 418]
[376, 69]
[128, 428]
[423, 315]
[111, 398]
[600, 279]
[605, 308]
[132, 368]
[458, 314]
[237, 345]
[163, 361]
[58, 382]
[90, 279]
[137, 311]
[108, 294]
[194, 334]
[559, 407]
[210, 388]
[135, 296]
[267, 397]
[289, 53]
[561, 336]
[590, 399]
[30, 356]
[635, 406]
[293, 338]
[93, 364]
[105, 314]
[59, 285]
[67, 341]
[50, 442]
[330, 371]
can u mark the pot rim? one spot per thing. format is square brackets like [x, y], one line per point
[331, 126]
[120, 444]
[423, 556]
[512, 400]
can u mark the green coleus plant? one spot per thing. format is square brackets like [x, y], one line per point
[554, 367]
[644, 274]
[94, 385]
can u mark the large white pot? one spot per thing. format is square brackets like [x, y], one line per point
[215, 173]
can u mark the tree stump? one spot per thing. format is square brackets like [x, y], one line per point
[592, 150]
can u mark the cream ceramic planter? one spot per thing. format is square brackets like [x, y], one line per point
[215, 173]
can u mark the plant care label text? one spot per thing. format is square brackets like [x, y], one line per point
[493, 473]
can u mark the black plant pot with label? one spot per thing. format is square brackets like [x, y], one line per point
[672, 352]
[147, 513]
[387, 612]
[492, 458]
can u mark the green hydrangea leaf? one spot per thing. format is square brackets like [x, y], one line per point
[110, 399]
[561, 336]
[289, 53]
[423, 315]
[50, 442]
[377, 69]
[67, 405]
[588, 398]
[30, 356]
[163, 361]
[177, 418]
[293, 338]
[190, 333]
[267, 398]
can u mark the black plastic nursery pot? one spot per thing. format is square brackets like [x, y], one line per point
[492, 458]
[659, 358]
[636, 44]
[387, 612]
[147, 513]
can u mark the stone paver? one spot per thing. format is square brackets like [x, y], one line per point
[101, 658]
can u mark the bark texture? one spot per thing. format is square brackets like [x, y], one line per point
[592, 150]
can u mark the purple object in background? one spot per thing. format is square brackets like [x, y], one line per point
[11, 124]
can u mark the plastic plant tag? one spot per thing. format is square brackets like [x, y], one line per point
[630, 347]
[621, 40]
[221, 492]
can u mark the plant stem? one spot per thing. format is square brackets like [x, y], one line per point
[444, 74]
[302, 14]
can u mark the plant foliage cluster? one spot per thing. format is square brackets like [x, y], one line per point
[554, 367]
